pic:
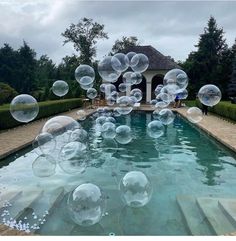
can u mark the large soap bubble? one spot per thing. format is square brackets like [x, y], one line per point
[79, 135]
[158, 89]
[137, 93]
[86, 204]
[125, 104]
[183, 94]
[123, 134]
[106, 70]
[129, 78]
[130, 55]
[139, 78]
[122, 64]
[109, 88]
[24, 108]
[166, 116]
[84, 74]
[123, 87]
[60, 88]
[45, 142]
[44, 166]
[209, 95]
[60, 127]
[73, 157]
[178, 76]
[139, 63]
[108, 130]
[136, 189]
[81, 115]
[194, 114]
[92, 93]
[155, 129]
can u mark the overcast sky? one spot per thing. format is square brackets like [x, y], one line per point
[173, 28]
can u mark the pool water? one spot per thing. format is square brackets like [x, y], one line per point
[185, 161]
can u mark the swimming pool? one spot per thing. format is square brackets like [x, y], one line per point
[184, 163]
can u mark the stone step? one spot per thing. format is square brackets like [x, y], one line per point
[10, 197]
[195, 221]
[218, 222]
[25, 201]
[228, 206]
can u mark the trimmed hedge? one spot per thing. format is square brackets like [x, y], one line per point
[224, 108]
[46, 108]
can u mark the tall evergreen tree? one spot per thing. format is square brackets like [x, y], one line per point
[232, 82]
[203, 65]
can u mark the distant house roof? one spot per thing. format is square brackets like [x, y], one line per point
[157, 61]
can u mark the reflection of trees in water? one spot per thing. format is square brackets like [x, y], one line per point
[207, 154]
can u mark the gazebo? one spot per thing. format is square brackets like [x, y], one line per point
[159, 65]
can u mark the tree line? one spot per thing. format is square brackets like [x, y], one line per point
[21, 72]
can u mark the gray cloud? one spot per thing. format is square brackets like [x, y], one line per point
[172, 27]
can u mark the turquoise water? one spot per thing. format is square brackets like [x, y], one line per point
[184, 161]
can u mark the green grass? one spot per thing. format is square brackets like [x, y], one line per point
[46, 109]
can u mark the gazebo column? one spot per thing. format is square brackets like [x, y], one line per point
[148, 90]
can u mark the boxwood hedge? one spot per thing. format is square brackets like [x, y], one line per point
[46, 108]
[224, 108]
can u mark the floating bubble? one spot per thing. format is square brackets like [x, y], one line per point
[81, 115]
[45, 142]
[163, 100]
[129, 78]
[60, 127]
[44, 166]
[123, 87]
[24, 108]
[155, 129]
[153, 102]
[139, 63]
[183, 94]
[123, 134]
[101, 120]
[86, 204]
[110, 100]
[194, 115]
[108, 130]
[122, 64]
[137, 93]
[133, 100]
[166, 116]
[178, 77]
[125, 105]
[169, 92]
[106, 70]
[130, 55]
[109, 88]
[84, 74]
[209, 95]
[79, 135]
[73, 157]
[139, 78]
[116, 113]
[155, 114]
[158, 89]
[136, 189]
[60, 88]
[102, 88]
[92, 93]
[111, 119]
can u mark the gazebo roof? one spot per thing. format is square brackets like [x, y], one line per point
[157, 61]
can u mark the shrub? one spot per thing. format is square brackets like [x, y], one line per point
[7, 93]
[46, 109]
